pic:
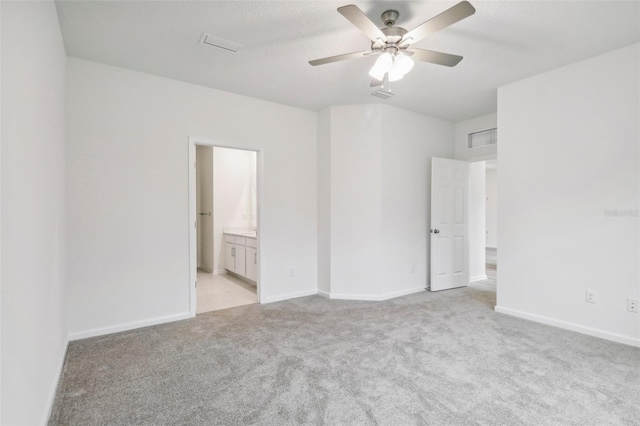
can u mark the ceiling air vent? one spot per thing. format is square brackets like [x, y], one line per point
[220, 43]
[382, 94]
[483, 138]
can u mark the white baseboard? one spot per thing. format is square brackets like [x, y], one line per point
[219, 271]
[376, 297]
[478, 278]
[324, 293]
[128, 326]
[295, 295]
[484, 286]
[347, 296]
[406, 292]
[619, 338]
[205, 269]
[51, 397]
[241, 277]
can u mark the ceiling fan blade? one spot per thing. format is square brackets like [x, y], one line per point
[435, 57]
[360, 20]
[448, 17]
[340, 58]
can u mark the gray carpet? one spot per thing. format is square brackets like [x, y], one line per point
[431, 358]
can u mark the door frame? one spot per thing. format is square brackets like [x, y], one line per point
[192, 217]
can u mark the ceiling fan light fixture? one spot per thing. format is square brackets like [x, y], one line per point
[395, 44]
[403, 63]
[382, 66]
[395, 75]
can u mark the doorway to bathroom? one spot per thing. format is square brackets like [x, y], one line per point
[224, 243]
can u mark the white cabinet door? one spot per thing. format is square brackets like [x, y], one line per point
[229, 257]
[240, 256]
[252, 264]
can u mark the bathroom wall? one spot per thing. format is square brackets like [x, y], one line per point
[234, 200]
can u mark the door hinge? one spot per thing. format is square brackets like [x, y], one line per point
[196, 284]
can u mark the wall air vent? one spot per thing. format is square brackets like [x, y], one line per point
[220, 43]
[483, 138]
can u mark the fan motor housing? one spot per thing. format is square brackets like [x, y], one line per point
[394, 35]
[390, 17]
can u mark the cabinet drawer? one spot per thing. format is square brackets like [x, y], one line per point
[229, 239]
[241, 241]
[252, 242]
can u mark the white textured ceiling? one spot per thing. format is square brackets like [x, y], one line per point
[503, 42]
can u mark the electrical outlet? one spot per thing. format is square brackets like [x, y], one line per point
[590, 296]
[632, 305]
[292, 272]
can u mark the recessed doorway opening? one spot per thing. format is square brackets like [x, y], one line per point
[223, 221]
[483, 230]
[491, 228]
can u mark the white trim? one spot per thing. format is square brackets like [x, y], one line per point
[348, 296]
[615, 337]
[478, 278]
[241, 277]
[54, 386]
[193, 273]
[205, 269]
[376, 297]
[219, 271]
[128, 326]
[324, 294]
[192, 219]
[288, 296]
[405, 292]
[484, 286]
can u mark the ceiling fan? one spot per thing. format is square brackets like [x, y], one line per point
[392, 44]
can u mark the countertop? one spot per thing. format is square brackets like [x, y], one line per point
[247, 234]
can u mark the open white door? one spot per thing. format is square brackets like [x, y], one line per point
[449, 224]
[204, 205]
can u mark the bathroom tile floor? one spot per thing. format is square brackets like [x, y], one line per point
[222, 291]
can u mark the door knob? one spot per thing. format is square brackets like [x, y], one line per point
[205, 214]
[435, 231]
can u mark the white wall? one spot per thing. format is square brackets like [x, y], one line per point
[407, 148]
[477, 124]
[477, 221]
[492, 208]
[128, 192]
[232, 195]
[324, 201]
[568, 153]
[376, 210]
[34, 328]
[355, 200]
